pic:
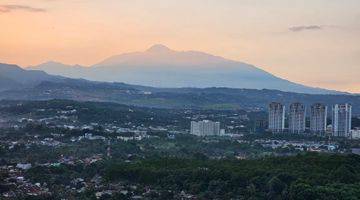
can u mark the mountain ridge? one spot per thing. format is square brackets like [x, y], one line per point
[41, 86]
[160, 66]
[14, 77]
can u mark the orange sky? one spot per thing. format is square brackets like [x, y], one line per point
[313, 42]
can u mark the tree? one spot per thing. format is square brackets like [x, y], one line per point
[275, 188]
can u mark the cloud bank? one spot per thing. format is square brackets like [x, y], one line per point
[10, 8]
[305, 28]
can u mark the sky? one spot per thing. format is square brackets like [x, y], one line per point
[312, 42]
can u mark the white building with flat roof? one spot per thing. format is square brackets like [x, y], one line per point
[205, 128]
[355, 134]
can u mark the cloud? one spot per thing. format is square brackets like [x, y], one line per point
[305, 28]
[9, 8]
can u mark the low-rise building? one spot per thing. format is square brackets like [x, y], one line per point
[355, 134]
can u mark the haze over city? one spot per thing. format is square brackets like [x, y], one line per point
[315, 43]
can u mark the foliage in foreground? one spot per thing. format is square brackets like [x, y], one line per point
[308, 176]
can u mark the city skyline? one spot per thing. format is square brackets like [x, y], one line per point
[341, 119]
[317, 39]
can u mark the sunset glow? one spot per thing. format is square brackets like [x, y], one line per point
[316, 43]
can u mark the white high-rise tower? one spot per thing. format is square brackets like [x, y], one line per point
[297, 118]
[318, 117]
[341, 120]
[276, 117]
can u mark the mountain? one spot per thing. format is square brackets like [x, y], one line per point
[14, 77]
[160, 66]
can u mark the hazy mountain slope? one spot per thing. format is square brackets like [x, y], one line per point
[22, 84]
[7, 83]
[56, 68]
[160, 66]
[14, 77]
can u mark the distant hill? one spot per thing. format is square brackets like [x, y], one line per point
[160, 66]
[14, 77]
[37, 85]
[207, 98]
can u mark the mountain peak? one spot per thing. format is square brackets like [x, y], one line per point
[54, 64]
[158, 48]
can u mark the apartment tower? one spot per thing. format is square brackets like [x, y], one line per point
[318, 117]
[297, 118]
[276, 117]
[341, 120]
